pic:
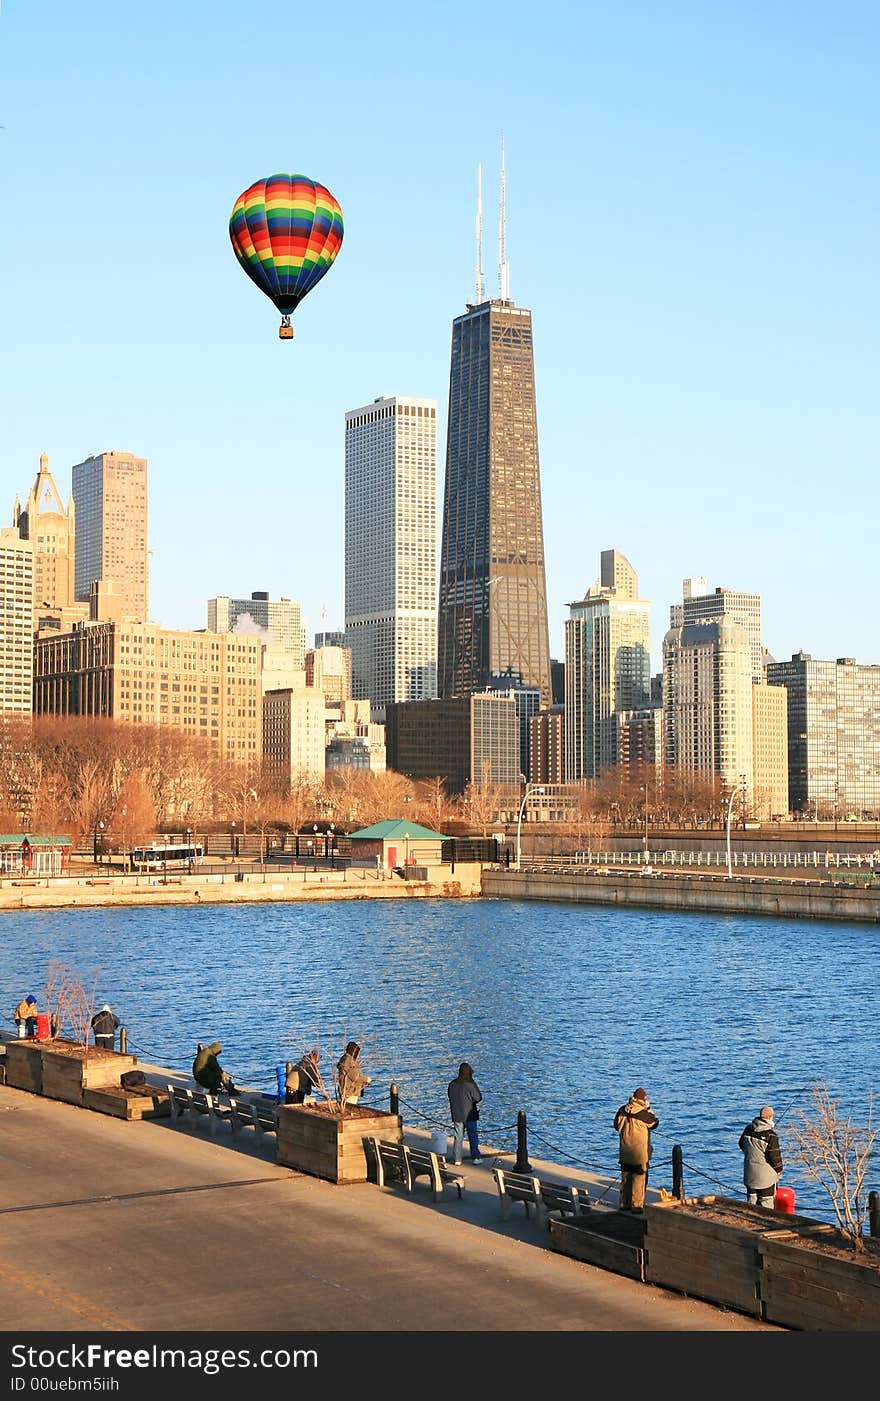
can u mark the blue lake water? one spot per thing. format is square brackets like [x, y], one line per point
[562, 1011]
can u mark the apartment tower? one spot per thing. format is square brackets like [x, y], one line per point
[493, 593]
[16, 623]
[391, 549]
[607, 666]
[110, 503]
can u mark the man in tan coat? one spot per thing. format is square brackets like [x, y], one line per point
[634, 1122]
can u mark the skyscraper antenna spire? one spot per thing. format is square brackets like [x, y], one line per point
[503, 265]
[481, 291]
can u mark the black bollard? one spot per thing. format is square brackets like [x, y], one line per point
[874, 1213]
[677, 1173]
[395, 1102]
[522, 1163]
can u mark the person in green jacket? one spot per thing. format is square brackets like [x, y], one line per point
[208, 1072]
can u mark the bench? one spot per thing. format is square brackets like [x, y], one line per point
[262, 1118]
[568, 1199]
[196, 1104]
[396, 1162]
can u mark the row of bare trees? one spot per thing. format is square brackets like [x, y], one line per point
[73, 776]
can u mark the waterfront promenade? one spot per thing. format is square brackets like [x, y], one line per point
[111, 1226]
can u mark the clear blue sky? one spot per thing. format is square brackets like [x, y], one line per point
[692, 218]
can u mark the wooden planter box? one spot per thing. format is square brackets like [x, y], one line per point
[147, 1103]
[607, 1239]
[329, 1145]
[708, 1247]
[821, 1286]
[67, 1073]
[24, 1065]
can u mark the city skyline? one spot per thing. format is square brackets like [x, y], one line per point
[705, 358]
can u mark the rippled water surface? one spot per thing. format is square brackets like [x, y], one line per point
[561, 1010]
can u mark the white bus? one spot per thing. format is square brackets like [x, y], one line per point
[176, 856]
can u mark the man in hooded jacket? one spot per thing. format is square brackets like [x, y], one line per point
[208, 1072]
[634, 1122]
[762, 1159]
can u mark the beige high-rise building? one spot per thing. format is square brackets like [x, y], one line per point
[110, 499]
[16, 623]
[293, 736]
[770, 750]
[50, 525]
[607, 666]
[205, 685]
[707, 700]
[328, 669]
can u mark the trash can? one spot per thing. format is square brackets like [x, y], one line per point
[439, 1141]
[43, 1031]
[785, 1200]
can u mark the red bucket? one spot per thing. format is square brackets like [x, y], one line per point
[785, 1200]
[43, 1032]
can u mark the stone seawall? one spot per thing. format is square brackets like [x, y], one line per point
[226, 888]
[808, 899]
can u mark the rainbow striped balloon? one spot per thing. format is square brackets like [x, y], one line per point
[286, 231]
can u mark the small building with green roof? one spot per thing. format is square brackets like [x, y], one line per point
[397, 842]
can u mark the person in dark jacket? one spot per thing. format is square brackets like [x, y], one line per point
[634, 1122]
[208, 1072]
[104, 1025]
[762, 1159]
[464, 1096]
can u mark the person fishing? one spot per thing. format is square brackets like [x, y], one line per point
[208, 1072]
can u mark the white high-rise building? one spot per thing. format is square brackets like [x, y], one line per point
[277, 620]
[16, 623]
[391, 549]
[607, 666]
[700, 606]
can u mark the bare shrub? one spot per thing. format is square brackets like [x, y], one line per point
[835, 1151]
[74, 1002]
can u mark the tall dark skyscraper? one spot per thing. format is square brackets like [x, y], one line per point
[493, 593]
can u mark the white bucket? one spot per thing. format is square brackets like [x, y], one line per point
[439, 1141]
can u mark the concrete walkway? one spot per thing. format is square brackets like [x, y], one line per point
[114, 1226]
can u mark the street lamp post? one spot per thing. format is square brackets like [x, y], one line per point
[99, 842]
[189, 855]
[165, 861]
[645, 791]
[232, 838]
[740, 788]
[530, 788]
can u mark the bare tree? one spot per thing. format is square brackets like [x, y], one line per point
[74, 1002]
[481, 801]
[836, 1152]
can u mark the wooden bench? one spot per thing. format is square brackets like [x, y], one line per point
[568, 1199]
[262, 1118]
[196, 1104]
[396, 1162]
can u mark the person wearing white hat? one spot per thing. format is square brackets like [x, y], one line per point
[104, 1025]
[762, 1159]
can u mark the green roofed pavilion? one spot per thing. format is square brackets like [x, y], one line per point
[395, 829]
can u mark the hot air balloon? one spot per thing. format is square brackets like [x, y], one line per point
[286, 231]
